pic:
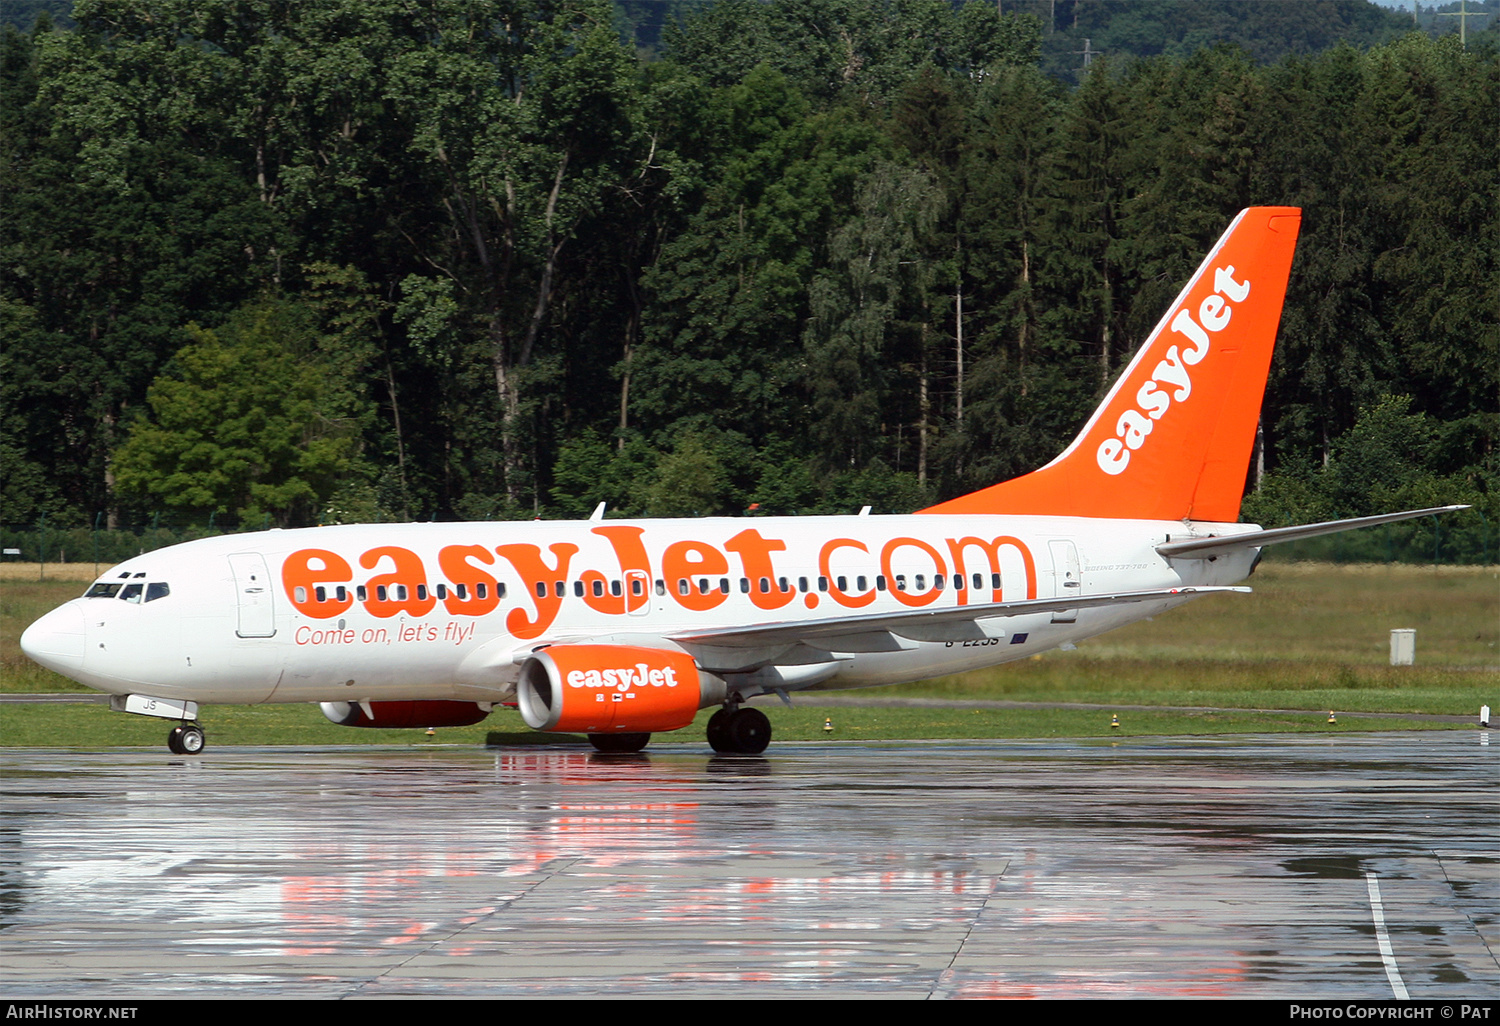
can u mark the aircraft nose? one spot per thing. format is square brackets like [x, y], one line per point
[57, 639]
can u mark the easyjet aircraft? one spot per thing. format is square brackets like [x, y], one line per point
[622, 628]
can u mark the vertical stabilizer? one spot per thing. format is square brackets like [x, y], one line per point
[1173, 437]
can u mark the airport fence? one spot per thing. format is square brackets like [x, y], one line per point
[1465, 537]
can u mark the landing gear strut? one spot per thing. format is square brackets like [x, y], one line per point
[186, 739]
[739, 731]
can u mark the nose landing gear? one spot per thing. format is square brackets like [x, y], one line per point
[186, 739]
[739, 731]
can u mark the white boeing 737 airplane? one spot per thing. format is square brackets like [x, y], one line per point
[622, 628]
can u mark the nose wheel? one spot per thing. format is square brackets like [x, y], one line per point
[186, 739]
[739, 731]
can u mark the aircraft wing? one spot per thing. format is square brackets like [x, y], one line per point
[952, 623]
[1214, 546]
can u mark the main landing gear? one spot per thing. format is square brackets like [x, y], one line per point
[619, 744]
[739, 731]
[186, 739]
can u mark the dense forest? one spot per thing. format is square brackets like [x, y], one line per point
[269, 263]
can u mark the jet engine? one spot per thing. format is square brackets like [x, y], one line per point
[609, 689]
[405, 714]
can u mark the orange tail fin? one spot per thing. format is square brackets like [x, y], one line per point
[1173, 437]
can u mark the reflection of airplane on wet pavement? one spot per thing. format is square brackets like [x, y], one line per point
[622, 628]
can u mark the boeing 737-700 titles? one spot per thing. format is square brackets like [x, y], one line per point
[622, 628]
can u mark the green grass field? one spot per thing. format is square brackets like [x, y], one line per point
[1313, 637]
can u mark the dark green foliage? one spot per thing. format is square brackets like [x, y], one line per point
[809, 255]
[253, 418]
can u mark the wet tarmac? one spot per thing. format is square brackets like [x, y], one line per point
[1339, 867]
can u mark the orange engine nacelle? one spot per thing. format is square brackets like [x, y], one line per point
[405, 714]
[611, 689]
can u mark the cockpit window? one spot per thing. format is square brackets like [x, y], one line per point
[156, 590]
[131, 593]
[102, 590]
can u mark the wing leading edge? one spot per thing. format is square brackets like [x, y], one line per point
[956, 623]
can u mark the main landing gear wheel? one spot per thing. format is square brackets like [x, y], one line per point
[740, 731]
[186, 739]
[718, 724]
[619, 743]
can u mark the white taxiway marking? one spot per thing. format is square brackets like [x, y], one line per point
[1387, 956]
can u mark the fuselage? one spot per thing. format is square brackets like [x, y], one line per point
[450, 611]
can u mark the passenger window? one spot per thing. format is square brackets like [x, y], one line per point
[744, 585]
[765, 585]
[380, 593]
[802, 585]
[636, 587]
[321, 593]
[462, 591]
[782, 584]
[578, 589]
[341, 593]
[978, 582]
[880, 582]
[614, 588]
[862, 581]
[822, 584]
[442, 591]
[724, 585]
[900, 582]
[921, 582]
[301, 594]
[361, 593]
[156, 590]
[661, 586]
[682, 586]
[938, 580]
[559, 588]
[995, 581]
[598, 588]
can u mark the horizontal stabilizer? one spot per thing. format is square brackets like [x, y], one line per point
[1211, 547]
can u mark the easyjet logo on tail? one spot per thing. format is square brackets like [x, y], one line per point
[1171, 381]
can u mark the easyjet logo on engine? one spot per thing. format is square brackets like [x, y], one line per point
[639, 676]
[1171, 374]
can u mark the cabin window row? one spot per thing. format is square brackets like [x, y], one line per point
[704, 585]
[399, 593]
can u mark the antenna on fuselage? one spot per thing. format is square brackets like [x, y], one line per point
[598, 513]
